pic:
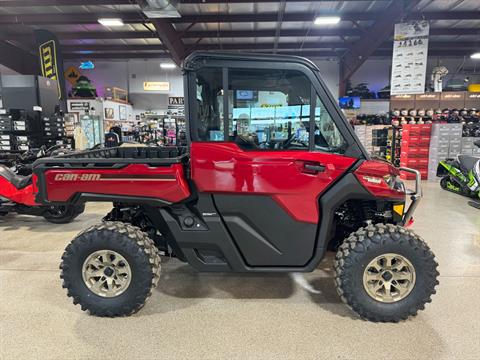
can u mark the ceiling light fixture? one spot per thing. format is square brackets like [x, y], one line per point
[110, 21]
[168, 66]
[327, 20]
[475, 55]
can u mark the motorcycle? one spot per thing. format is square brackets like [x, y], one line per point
[462, 176]
[17, 192]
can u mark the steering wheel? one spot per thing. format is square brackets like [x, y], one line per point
[289, 142]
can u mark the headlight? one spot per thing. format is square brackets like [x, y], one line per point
[394, 182]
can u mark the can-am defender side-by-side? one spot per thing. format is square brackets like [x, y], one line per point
[273, 176]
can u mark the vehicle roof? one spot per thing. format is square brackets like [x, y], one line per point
[242, 56]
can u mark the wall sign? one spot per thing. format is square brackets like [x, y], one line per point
[176, 100]
[176, 105]
[156, 86]
[72, 75]
[409, 62]
[79, 105]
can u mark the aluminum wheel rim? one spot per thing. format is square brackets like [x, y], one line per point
[389, 278]
[106, 273]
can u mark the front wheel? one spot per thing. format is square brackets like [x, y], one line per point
[385, 273]
[110, 269]
[63, 214]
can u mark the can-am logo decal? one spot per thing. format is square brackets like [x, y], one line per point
[77, 177]
[114, 177]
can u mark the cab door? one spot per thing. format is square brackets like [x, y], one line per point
[267, 159]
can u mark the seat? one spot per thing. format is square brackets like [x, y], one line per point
[18, 181]
[468, 162]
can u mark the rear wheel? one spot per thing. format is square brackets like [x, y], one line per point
[385, 273]
[110, 269]
[63, 214]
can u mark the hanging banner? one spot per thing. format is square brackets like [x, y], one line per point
[51, 62]
[409, 61]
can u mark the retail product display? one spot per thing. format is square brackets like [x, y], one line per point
[164, 130]
[377, 139]
[53, 130]
[362, 91]
[19, 131]
[222, 207]
[377, 119]
[92, 132]
[32, 117]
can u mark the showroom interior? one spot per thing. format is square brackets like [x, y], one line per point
[223, 179]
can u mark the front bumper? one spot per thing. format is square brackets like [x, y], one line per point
[415, 195]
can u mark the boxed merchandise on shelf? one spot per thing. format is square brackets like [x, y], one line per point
[415, 149]
[374, 138]
[447, 142]
[468, 147]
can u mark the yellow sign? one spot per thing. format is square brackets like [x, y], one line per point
[398, 208]
[72, 75]
[156, 86]
[48, 62]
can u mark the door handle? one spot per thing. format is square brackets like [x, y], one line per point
[314, 168]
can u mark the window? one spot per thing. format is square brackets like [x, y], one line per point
[209, 88]
[269, 109]
[327, 136]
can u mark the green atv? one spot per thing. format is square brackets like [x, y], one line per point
[461, 176]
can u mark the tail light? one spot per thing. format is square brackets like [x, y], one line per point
[381, 179]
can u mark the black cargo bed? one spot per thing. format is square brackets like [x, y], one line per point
[115, 157]
[129, 152]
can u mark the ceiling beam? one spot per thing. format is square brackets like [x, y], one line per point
[116, 56]
[304, 53]
[269, 33]
[309, 16]
[18, 59]
[50, 18]
[313, 32]
[375, 35]
[29, 3]
[116, 47]
[252, 1]
[387, 45]
[136, 17]
[98, 35]
[171, 39]
[85, 35]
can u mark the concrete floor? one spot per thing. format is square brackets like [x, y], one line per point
[222, 316]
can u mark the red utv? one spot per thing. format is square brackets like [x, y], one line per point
[17, 196]
[272, 177]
